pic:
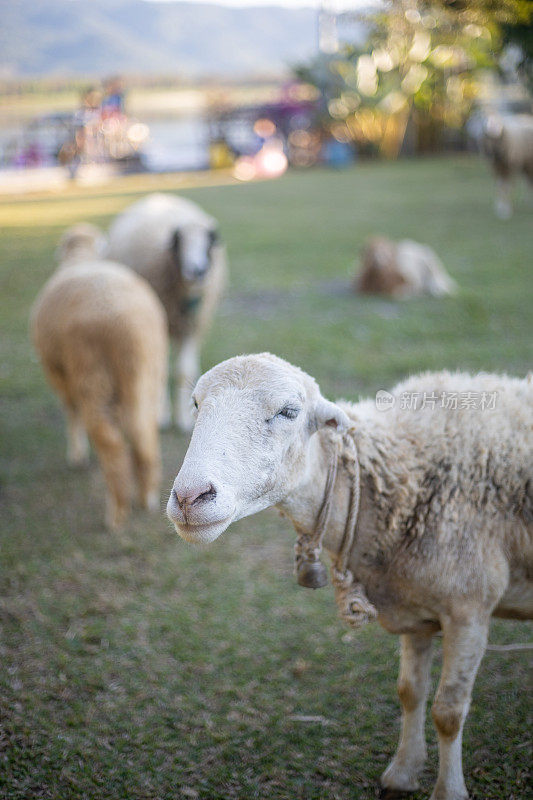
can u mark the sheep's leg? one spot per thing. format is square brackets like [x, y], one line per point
[187, 371]
[164, 415]
[146, 459]
[502, 205]
[115, 461]
[528, 172]
[77, 441]
[164, 404]
[463, 646]
[413, 686]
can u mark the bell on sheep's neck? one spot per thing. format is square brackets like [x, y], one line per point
[311, 574]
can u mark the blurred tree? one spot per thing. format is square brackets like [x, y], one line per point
[514, 17]
[417, 74]
[511, 12]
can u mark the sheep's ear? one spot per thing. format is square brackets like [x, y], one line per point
[175, 242]
[331, 415]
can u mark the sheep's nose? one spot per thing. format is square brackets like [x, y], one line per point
[200, 270]
[196, 495]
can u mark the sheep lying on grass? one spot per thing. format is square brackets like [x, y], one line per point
[508, 144]
[174, 244]
[426, 510]
[402, 269]
[101, 334]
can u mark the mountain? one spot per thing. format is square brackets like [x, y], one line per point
[99, 37]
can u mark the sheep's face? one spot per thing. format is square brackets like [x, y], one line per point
[380, 273]
[381, 253]
[192, 250]
[250, 444]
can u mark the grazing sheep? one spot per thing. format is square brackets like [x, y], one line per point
[426, 510]
[402, 269]
[101, 334]
[174, 244]
[508, 143]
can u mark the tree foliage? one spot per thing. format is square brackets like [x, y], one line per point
[419, 66]
[509, 12]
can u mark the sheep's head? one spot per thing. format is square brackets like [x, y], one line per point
[379, 271]
[79, 242]
[250, 444]
[192, 248]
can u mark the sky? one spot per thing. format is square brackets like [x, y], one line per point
[288, 3]
[291, 3]
[340, 4]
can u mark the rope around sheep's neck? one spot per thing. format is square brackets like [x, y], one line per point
[354, 606]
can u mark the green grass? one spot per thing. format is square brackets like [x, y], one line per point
[137, 667]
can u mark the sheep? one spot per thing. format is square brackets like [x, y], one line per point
[508, 144]
[402, 269]
[101, 334]
[175, 245]
[425, 508]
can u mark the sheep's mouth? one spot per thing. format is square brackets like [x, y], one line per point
[205, 532]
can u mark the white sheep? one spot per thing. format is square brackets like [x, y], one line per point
[402, 269]
[101, 334]
[508, 144]
[174, 244]
[425, 508]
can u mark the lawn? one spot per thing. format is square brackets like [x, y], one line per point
[136, 667]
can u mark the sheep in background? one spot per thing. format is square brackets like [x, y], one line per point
[403, 269]
[101, 334]
[174, 244]
[425, 508]
[508, 144]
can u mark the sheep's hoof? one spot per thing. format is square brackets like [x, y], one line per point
[115, 518]
[151, 501]
[397, 782]
[503, 210]
[446, 793]
[386, 793]
[79, 462]
[79, 455]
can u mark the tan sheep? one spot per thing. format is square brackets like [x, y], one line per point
[101, 334]
[401, 269]
[508, 144]
[175, 245]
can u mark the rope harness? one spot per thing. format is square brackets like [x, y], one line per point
[354, 606]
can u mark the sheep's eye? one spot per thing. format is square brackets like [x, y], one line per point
[195, 403]
[289, 412]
